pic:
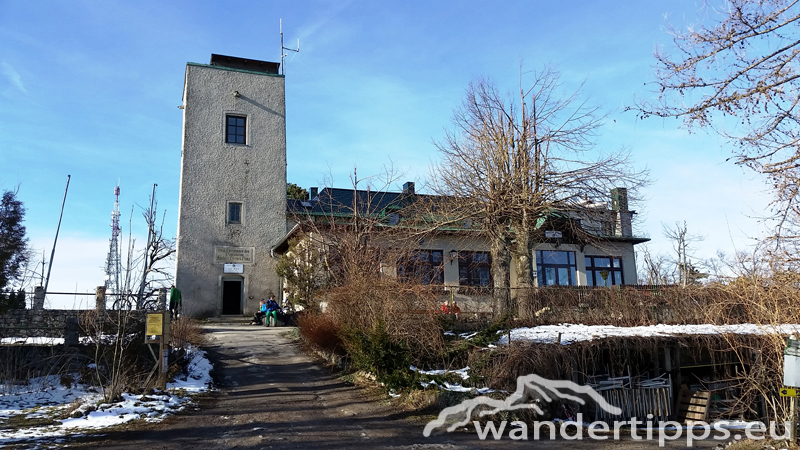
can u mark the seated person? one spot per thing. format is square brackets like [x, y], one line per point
[259, 315]
[272, 309]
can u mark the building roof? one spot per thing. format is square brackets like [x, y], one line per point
[251, 65]
[245, 65]
[335, 203]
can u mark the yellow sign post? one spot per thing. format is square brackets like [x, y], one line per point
[788, 392]
[155, 325]
[157, 331]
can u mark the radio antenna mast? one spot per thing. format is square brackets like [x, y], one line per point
[283, 55]
[114, 258]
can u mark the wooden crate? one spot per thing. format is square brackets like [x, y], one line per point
[692, 406]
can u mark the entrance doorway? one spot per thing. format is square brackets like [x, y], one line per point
[232, 296]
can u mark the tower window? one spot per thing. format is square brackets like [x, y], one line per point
[235, 127]
[234, 212]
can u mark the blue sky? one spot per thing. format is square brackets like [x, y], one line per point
[91, 89]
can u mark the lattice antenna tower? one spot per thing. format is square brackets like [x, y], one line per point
[114, 259]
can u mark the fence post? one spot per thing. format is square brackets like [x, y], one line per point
[162, 299]
[71, 332]
[38, 298]
[100, 299]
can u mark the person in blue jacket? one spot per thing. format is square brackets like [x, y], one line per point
[259, 315]
[272, 310]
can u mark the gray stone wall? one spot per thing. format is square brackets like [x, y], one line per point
[51, 323]
[214, 173]
[36, 323]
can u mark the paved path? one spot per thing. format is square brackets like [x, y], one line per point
[274, 396]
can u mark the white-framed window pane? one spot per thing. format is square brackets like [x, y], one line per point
[235, 129]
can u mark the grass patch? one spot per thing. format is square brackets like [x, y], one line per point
[748, 444]
[19, 421]
[293, 334]
[184, 330]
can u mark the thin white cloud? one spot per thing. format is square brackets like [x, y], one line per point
[14, 77]
[320, 21]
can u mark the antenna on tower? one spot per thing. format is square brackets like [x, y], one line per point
[283, 55]
[114, 258]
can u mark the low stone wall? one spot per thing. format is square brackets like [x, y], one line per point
[37, 323]
[50, 323]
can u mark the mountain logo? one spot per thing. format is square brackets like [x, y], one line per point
[530, 388]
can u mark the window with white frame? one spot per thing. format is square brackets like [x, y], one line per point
[235, 129]
[234, 214]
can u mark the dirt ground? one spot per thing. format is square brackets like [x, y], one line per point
[274, 396]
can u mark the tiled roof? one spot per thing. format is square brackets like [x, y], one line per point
[344, 202]
[336, 202]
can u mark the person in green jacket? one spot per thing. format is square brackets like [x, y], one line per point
[174, 301]
[272, 310]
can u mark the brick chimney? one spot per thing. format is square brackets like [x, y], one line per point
[619, 204]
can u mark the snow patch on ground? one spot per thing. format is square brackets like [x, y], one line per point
[455, 387]
[460, 372]
[46, 397]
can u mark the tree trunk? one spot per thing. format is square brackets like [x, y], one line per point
[501, 273]
[522, 258]
[523, 265]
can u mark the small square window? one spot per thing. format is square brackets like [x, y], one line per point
[234, 212]
[235, 129]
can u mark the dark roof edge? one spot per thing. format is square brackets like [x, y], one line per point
[632, 239]
[235, 70]
[283, 244]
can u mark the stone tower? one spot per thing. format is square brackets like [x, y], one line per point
[233, 185]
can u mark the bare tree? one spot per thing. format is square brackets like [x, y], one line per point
[682, 245]
[740, 75]
[155, 273]
[653, 269]
[148, 269]
[510, 165]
